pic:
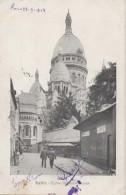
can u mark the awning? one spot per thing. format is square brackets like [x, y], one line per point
[59, 144]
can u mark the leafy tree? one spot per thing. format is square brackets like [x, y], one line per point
[62, 112]
[103, 90]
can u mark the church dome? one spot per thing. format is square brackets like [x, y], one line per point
[60, 72]
[69, 42]
[36, 88]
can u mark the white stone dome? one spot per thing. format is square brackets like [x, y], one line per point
[70, 43]
[36, 87]
[60, 72]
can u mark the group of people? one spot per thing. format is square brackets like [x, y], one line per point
[50, 154]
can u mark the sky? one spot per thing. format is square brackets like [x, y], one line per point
[27, 40]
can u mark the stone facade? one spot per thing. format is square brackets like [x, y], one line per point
[68, 73]
[68, 67]
[31, 120]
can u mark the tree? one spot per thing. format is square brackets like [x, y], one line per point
[62, 112]
[103, 90]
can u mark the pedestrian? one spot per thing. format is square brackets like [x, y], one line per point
[51, 156]
[20, 150]
[16, 157]
[43, 156]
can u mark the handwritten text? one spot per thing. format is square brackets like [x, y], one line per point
[13, 7]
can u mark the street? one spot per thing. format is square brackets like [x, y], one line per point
[30, 163]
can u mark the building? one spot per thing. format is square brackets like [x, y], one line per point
[98, 138]
[14, 122]
[66, 141]
[68, 71]
[31, 118]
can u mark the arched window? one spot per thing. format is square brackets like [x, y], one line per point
[78, 78]
[82, 79]
[35, 131]
[27, 131]
[73, 58]
[66, 90]
[19, 130]
[67, 58]
[58, 89]
[73, 77]
[55, 88]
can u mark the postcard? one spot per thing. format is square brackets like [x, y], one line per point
[62, 84]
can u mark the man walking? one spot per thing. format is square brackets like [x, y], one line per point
[51, 156]
[43, 156]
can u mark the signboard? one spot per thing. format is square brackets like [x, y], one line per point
[86, 133]
[101, 129]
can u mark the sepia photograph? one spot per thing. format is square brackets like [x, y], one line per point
[52, 128]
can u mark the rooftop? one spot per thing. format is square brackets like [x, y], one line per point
[66, 135]
[94, 115]
[27, 98]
